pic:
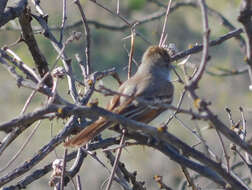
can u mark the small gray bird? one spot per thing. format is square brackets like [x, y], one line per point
[151, 82]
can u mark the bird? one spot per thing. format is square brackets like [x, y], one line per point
[151, 82]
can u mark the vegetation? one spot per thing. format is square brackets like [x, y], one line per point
[59, 59]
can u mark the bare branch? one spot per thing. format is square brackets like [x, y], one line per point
[245, 19]
[87, 32]
[12, 12]
[38, 57]
[162, 39]
[116, 161]
[3, 4]
[206, 30]
[198, 48]
[132, 47]
[63, 23]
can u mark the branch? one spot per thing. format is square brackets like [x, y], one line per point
[3, 4]
[87, 32]
[42, 153]
[198, 48]
[60, 50]
[14, 59]
[116, 162]
[12, 12]
[162, 135]
[29, 84]
[224, 21]
[26, 120]
[37, 174]
[198, 75]
[38, 57]
[155, 132]
[245, 19]
[130, 177]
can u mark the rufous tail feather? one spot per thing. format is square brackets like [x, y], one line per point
[94, 129]
[86, 134]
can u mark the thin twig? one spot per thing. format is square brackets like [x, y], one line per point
[63, 170]
[178, 106]
[232, 123]
[228, 72]
[116, 160]
[161, 41]
[128, 53]
[118, 7]
[243, 159]
[16, 132]
[132, 47]
[64, 18]
[65, 60]
[38, 7]
[79, 187]
[201, 69]
[244, 126]
[127, 144]
[87, 33]
[198, 48]
[194, 133]
[188, 178]
[16, 60]
[22, 147]
[122, 18]
[120, 176]
[82, 66]
[28, 101]
[161, 184]
[227, 157]
[245, 19]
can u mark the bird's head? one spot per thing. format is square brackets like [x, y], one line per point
[155, 58]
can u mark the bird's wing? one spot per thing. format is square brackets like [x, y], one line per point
[155, 91]
[128, 107]
[98, 126]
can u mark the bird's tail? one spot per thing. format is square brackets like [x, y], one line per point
[97, 127]
[87, 134]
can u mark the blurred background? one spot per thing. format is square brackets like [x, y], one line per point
[184, 28]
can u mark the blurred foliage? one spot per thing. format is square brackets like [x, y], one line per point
[136, 4]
